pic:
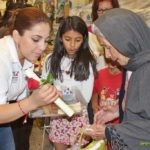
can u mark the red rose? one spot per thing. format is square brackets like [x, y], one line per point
[32, 84]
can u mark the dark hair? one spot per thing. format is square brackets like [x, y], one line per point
[115, 4]
[25, 18]
[10, 6]
[84, 56]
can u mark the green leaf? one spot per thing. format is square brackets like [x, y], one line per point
[49, 79]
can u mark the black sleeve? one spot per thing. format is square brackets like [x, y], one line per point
[114, 139]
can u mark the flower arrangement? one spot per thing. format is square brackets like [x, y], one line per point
[34, 82]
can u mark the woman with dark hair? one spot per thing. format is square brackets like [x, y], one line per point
[98, 8]
[27, 40]
[5, 19]
[73, 67]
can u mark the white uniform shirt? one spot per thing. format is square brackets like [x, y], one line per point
[12, 79]
[70, 88]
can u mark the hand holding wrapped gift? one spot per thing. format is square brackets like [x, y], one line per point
[37, 82]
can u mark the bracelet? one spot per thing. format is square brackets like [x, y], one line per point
[25, 114]
[21, 108]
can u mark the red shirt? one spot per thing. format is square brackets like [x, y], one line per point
[107, 86]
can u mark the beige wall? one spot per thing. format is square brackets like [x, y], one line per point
[2, 6]
[76, 3]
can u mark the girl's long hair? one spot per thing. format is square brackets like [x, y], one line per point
[83, 58]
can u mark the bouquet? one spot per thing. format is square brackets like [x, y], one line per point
[34, 82]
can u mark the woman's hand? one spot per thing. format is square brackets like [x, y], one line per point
[42, 96]
[106, 114]
[95, 131]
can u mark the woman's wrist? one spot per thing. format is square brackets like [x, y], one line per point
[23, 109]
[26, 106]
[107, 134]
[104, 135]
[20, 107]
[30, 105]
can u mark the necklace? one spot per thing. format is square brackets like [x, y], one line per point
[66, 72]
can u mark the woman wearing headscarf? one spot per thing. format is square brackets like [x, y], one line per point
[126, 39]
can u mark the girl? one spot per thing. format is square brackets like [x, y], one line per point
[99, 7]
[73, 67]
[106, 92]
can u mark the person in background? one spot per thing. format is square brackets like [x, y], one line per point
[5, 20]
[105, 97]
[73, 66]
[99, 7]
[106, 92]
[125, 36]
[27, 40]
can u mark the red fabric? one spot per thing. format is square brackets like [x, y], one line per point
[90, 28]
[107, 81]
[33, 84]
[107, 86]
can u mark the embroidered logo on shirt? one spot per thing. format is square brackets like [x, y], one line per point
[15, 72]
[15, 76]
